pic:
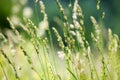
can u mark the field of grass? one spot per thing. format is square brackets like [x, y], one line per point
[38, 57]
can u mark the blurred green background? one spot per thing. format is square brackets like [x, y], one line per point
[17, 9]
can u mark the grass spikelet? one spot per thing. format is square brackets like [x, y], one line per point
[98, 4]
[42, 6]
[62, 11]
[97, 28]
[65, 19]
[113, 53]
[14, 29]
[97, 38]
[77, 12]
[59, 39]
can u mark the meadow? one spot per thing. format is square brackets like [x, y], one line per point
[45, 53]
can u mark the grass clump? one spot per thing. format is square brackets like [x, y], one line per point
[38, 58]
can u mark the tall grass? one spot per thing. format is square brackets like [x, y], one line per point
[37, 58]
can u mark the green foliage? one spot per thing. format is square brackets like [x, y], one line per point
[38, 58]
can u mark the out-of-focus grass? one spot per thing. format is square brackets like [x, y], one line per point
[37, 58]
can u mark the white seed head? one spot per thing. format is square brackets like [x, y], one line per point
[98, 4]
[74, 16]
[76, 23]
[15, 20]
[27, 12]
[61, 54]
[73, 33]
[71, 26]
[103, 15]
[42, 7]
[43, 25]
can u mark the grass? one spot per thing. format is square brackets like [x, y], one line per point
[37, 58]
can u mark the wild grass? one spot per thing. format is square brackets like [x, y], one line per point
[37, 58]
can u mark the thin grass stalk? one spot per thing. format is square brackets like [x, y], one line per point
[66, 50]
[104, 65]
[69, 63]
[85, 45]
[72, 74]
[45, 57]
[29, 61]
[76, 72]
[39, 58]
[113, 48]
[90, 59]
[35, 40]
[52, 47]
[12, 65]
[66, 28]
[5, 74]
[49, 34]
[46, 50]
[98, 39]
[36, 10]
[62, 11]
